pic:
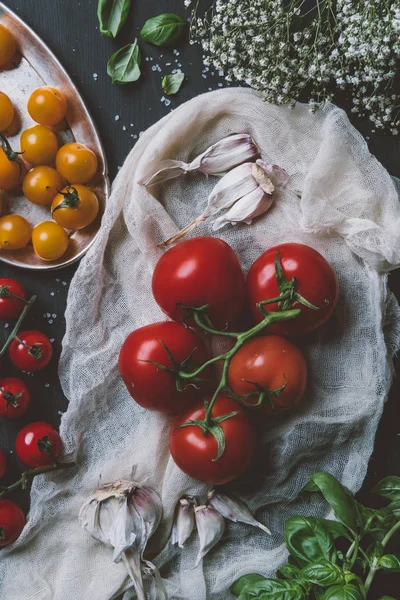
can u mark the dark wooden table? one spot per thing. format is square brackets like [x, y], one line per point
[70, 29]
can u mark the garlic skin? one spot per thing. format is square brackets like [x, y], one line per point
[124, 515]
[210, 526]
[234, 509]
[217, 160]
[184, 521]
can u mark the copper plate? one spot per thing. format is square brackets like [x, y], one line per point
[38, 66]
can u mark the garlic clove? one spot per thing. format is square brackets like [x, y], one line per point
[124, 530]
[234, 509]
[163, 171]
[184, 522]
[228, 153]
[210, 526]
[246, 209]
[279, 177]
[235, 184]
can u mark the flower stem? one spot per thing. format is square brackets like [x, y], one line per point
[31, 473]
[17, 325]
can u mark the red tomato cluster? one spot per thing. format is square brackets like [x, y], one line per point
[199, 284]
[37, 444]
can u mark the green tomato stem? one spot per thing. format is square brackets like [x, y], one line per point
[374, 567]
[17, 325]
[31, 473]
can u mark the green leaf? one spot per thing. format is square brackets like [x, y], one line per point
[388, 488]
[124, 65]
[374, 551]
[171, 84]
[389, 562]
[241, 583]
[322, 573]
[336, 529]
[112, 14]
[343, 592]
[288, 572]
[338, 497]
[394, 508]
[163, 30]
[387, 598]
[273, 589]
[308, 540]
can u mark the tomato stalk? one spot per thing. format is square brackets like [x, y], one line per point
[10, 153]
[13, 334]
[26, 476]
[71, 199]
[11, 399]
[5, 293]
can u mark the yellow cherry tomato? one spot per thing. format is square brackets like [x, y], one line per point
[75, 207]
[76, 163]
[15, 232]
[11, 168]
[41, 185]
[49, 240]
[39, 145]
[8, 46]
[47, 105]
[6, 111]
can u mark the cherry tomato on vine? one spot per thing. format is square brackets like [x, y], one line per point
[15, 398]
[197, 272]
[39, 145]
[10, 304]
[269, 363]
[75, 207]
[11, 168]
[3, 463]
[49, 240]
[306, 272]
[15, 232]
[37, 444]
[47, 106]
[12, 522]
[194, 450]
[41, 185]
[8, 46]
[150, 385]
[76, 163]
[6, 111]
[31, 351]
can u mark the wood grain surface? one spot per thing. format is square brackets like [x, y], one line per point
[70, 29]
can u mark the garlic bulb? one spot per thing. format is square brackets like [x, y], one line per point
[216, 160]
[123, 515]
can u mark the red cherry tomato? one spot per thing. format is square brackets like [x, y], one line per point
[193, 451]
[3, 463]
[15, 398]
[12, 522]
[10, 306]
[269, 362]
[196, 272]
[37, 444]
[151, 386]
[32, 351]
[314, 279]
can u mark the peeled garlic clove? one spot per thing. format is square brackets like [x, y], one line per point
[184, 522]
[234, 509]
[279, 176]
[210, 526]
[228, 153]
[244, 210]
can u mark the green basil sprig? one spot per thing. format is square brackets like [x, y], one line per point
[112, 14]
[333, 560]
[124, 65]
[171, 84]
[163, 30]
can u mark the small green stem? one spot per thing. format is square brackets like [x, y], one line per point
[355, 552]
[31, 473]
[17, 325]
[374, 568]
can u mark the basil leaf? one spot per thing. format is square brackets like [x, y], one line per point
[171, 84]
[288, 572]
[112, 14]
[124, 65]
[322, 573]
[343, 592]
[389, 562]
[339, 498]
[163, 30]
[336, 529]
[241, 583]
[308, 540]
[273, 589]
[374, 551]
[388, 488]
